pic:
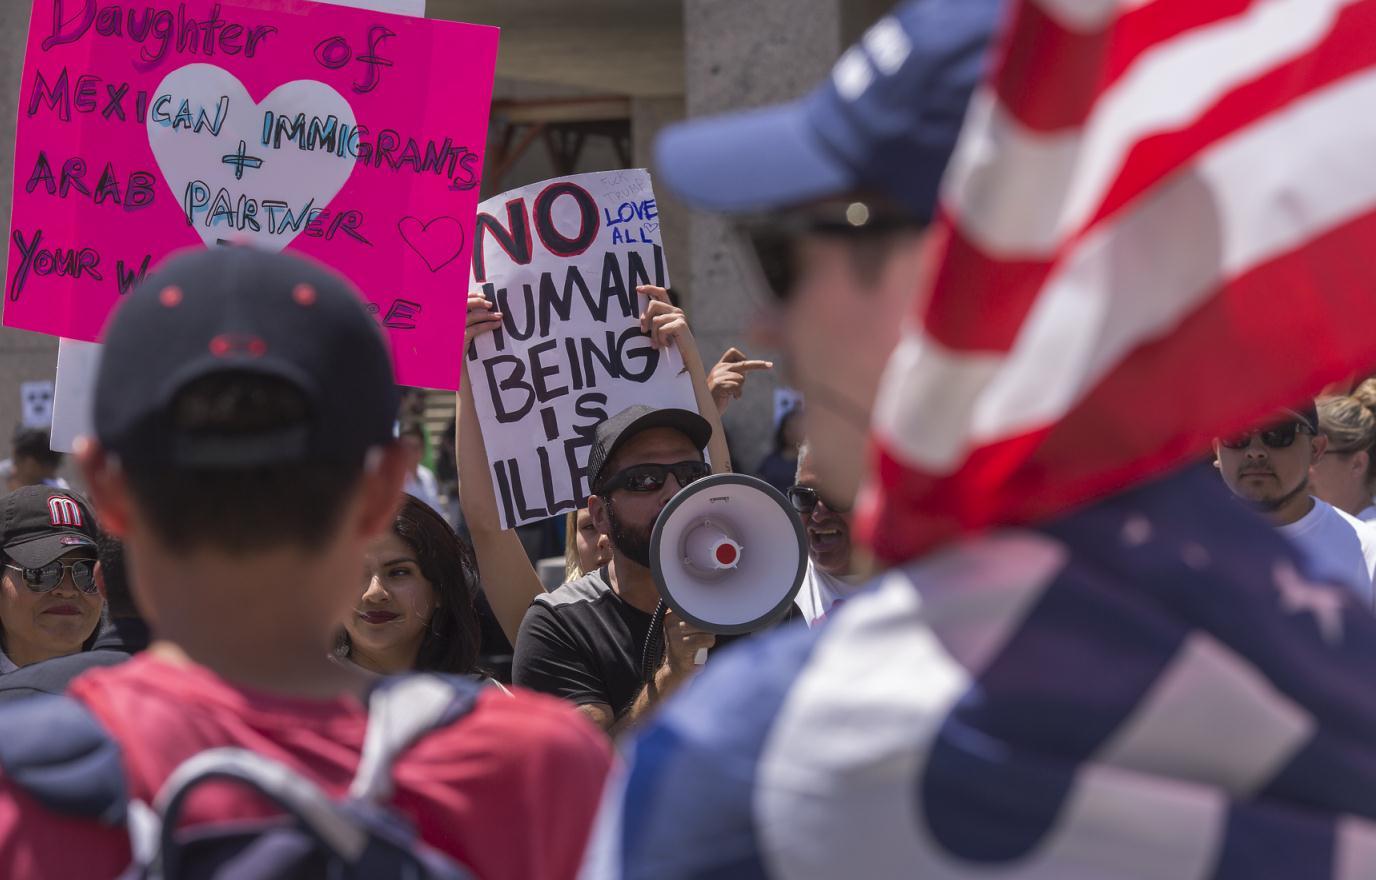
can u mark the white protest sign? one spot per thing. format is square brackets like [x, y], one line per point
[561, 259]
[74, 392]
[77, 361]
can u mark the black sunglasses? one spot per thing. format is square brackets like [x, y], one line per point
[46, 578]
[805, 499]
[651, 477]
[1276, 437]
[771, 242]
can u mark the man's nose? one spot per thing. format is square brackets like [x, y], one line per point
[1257, 449]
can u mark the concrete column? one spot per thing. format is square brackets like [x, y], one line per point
[648, 117]
[23, 356]
[741, 55]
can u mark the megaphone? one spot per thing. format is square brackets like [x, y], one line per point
[728, 554]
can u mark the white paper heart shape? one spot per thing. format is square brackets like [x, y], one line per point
[208, 136]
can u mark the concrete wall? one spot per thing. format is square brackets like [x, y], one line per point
[23, 356]
[741, 55]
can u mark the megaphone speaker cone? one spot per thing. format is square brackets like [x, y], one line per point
[728, 554]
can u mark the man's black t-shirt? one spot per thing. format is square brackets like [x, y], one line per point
[583, 643]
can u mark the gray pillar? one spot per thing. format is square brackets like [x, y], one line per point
[23, 356]
[740, 55]
[648, 117]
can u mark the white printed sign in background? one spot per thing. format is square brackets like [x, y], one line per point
[36, 404]
[561, 259]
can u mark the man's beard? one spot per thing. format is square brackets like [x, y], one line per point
[632, 543]
[1271, 505]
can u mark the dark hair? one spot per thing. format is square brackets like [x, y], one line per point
[452, 641]
[780, 441]
[34, 443]
[247, 509]
[118, 600]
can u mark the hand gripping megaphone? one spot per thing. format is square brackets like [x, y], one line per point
[728, 554]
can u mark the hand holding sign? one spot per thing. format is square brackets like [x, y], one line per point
[661, 320]
[483, 317]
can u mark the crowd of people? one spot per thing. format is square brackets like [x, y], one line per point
[261, 568]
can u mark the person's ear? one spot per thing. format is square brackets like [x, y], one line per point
[107, 486]
[384, 473]
[597, 509]
[1360, 461]
[1320, 445]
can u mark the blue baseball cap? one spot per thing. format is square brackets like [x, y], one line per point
[885, 121]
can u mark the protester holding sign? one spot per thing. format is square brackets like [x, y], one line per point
[509, 580]
[247, 487]
[501, 558]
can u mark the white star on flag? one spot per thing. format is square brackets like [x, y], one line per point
[1298, 595]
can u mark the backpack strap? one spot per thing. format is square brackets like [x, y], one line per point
[401, 710]
[152, 831]
[55, 750]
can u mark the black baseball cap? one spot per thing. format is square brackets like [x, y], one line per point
[241, 310]
[40, 523]
[885, 121]
[612, 434]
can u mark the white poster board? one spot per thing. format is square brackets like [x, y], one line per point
[561, 260]
[74, 392]
[77, 361]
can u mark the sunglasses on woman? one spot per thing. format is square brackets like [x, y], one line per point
[651, 477]
[805, 499]
[1277, 437]
[46, 578]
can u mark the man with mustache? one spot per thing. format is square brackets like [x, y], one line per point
[583, 642]
[1269, 469]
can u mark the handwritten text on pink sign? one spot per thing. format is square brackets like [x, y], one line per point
[354, 137]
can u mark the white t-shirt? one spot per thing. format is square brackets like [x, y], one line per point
[1341, 547]
[820, 591]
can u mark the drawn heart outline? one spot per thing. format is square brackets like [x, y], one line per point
[438, 242]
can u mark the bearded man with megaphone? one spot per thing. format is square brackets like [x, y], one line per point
[584, 641]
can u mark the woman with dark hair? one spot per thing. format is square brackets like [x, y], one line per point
[416, 611]
[781, 464]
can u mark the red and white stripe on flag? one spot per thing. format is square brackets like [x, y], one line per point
[1159, 226]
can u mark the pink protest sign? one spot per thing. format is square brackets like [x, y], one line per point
[354, 137]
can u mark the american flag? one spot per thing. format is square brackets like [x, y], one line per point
[1154, 687]
[1158, 227]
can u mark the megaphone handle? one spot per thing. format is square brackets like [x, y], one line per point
[700, 657]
